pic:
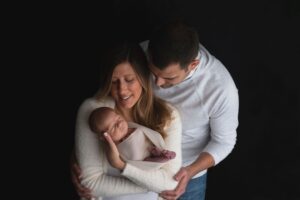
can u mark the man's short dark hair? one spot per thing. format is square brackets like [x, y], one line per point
[174, 42]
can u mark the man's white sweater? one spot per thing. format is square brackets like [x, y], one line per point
[208, 105]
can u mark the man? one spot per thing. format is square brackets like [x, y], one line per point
[200, 87]
[194, 81]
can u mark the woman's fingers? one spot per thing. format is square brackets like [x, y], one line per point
[111, 143]
[112, 153]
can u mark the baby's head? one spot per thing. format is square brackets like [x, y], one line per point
[105, 119]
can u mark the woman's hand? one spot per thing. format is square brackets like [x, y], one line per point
[112, 153]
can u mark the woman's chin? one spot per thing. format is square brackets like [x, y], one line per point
[126, 104]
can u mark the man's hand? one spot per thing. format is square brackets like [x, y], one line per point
[113, 154]
[183, 177]
[76, 179]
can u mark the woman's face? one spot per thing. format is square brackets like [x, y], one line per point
[126, 89]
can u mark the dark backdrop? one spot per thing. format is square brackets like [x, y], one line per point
[258, 41]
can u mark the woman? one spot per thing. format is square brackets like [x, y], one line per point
[126, 88]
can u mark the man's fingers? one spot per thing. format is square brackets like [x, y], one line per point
[169, 195]
[180, 189]
[76, 173]
[180, 174]
[76, 169]
[182, 179]
[82, 191]
[174, 194]
[76, 179]
[75, 176]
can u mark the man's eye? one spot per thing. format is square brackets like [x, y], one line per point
[129, 80]
[170, 78]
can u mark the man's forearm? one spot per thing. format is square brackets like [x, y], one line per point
[203, 162]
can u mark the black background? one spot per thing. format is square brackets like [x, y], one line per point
[258, 41]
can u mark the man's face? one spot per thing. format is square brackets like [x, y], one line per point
[169, 76]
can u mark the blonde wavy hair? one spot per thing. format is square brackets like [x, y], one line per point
[149, 111]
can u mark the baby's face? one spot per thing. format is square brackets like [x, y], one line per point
[116, 126]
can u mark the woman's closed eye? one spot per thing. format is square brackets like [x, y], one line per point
[129, 80]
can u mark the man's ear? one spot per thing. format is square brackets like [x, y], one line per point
[194, 64]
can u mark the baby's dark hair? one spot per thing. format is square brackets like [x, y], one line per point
[97, 116]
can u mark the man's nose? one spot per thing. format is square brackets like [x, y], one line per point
[159, 81]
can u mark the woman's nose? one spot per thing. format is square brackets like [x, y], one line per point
[122, 88]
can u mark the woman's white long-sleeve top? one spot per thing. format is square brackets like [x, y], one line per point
[94, 165]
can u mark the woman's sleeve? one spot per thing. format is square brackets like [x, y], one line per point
[161, 179]
[92, 159]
